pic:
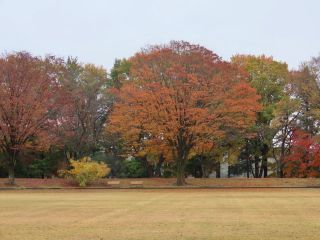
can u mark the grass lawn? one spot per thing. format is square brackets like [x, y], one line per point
[160, 214]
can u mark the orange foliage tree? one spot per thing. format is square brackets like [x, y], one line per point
[182, 97]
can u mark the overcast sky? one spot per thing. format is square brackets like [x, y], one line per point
[98, 31]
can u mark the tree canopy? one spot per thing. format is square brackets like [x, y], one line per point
[182, 97]
[169, 110]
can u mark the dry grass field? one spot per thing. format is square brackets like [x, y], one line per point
[160, 214]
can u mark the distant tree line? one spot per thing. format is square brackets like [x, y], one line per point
[168, 111]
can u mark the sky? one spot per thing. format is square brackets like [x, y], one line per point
[98, 31]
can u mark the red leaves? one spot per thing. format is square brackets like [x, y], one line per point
[29, 98]
[304, 157]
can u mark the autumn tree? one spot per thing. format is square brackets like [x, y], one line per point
[269, 78]
[304, 157]
[182, 97]
[29, 101]
[314, 67]
[88, 105]
[112, 143]
[304, 84]
[119, 72]
[300, 110]
[286, 114]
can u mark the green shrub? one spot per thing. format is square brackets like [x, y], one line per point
[133, 168]
[85, 171]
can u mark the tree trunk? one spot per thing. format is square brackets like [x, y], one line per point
[148, 167]
[248, 168]
[12, 159]
[11, 177]
[218, 170]
[180, 173]
[201, 172]
[256, 166]
[204, 171]
[280, 163]
[281, 174]
[158, 166]
[265, 168]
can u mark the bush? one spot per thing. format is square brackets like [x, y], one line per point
[133, 168]
[85, 171]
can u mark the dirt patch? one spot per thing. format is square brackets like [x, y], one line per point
[169, 183]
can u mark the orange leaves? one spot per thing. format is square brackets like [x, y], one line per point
[240, 106]
[182, 97]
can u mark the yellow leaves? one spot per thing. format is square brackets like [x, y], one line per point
[85, 171]
[233, 155]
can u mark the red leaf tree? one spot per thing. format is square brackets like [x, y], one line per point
[304, 157]
[182, 97]
[29, 101]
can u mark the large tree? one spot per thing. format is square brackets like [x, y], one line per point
[268, 77]
[300, 110]
[30, 98]
[182, 97]
[304, 85]
[88, 106]
[286, 114]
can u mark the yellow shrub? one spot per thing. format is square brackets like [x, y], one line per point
[85, 171]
